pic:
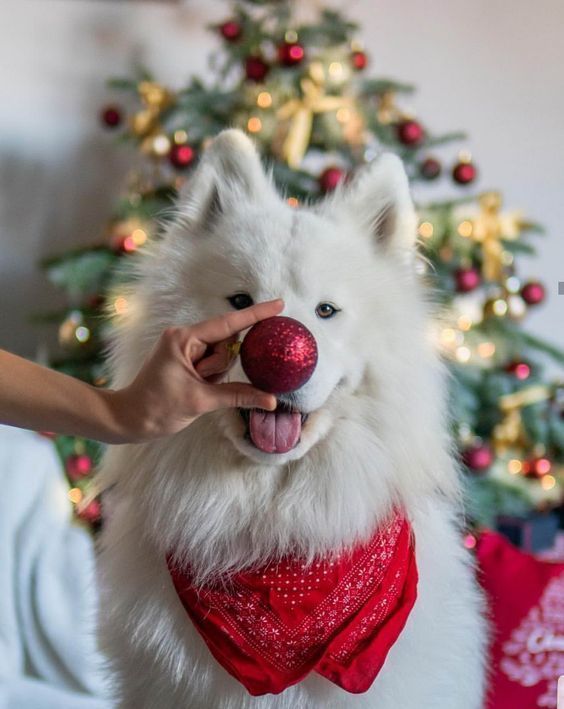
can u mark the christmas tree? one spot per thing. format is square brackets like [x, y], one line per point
[305, 94]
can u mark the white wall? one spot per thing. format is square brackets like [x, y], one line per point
[490, 67]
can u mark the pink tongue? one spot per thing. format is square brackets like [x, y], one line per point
[274, 431]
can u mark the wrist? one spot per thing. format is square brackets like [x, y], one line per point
[126, 423]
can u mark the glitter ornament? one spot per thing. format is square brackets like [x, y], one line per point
[91, 513]
[231, 30]
[290, 54]
[256, 68]
[111, 117]
[181, 156]
[430, 169]
[330, 178]
[533, 293]
[279, 354]
[478, 457]
[410, 133]
[467, 279]
[536, 467]
[359, 60]
[464, 173]
[78, 466]
[520, 370]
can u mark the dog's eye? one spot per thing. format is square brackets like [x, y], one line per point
[326, 310]
[240, 301]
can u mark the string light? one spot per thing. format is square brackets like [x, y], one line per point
[548, 482]
[486, 349]
[336, 71]
[139, 237]
[514, 466]
[161, 145]
[465, 228]
[499, 307]
[82, 333]
[292, 201]
[425, 230]
[464, 323]
[120, 305]
[254, 124]
[75, 495]
[291, 36]
[469, 541]
[180, 136]
[463, 354]
[264, 99]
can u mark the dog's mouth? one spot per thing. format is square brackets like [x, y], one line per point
[275, 431]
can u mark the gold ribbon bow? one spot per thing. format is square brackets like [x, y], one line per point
[510, 432]
[489, 228]
[155, 99]
[301, 111]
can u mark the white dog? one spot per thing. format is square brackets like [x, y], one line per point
[372, 447]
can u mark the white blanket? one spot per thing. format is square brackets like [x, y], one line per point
[48, 656]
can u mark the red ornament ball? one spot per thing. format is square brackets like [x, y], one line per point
[111, 117]
[430, 169]
[478, 457]
[330, 178]
[256, 68]
[467, 279]
[410, 133]
[279, 354]
[92, 513]
[181, 156]
[231, 30]
[290, 53]
[536, 467]
[78, 466]
[520, 370]
[464, 173]
[533, 293]
[359, 60]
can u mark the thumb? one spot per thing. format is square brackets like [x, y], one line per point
[240, 395]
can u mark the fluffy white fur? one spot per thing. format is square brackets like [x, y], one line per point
[376, 437]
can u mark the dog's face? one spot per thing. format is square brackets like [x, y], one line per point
[338, 268]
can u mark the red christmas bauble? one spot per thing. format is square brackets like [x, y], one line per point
[279, 354]
[111, 116]
[467, 279]
[330, 178]
[359, 60]
[478, 457]
[410, 132]
[290, 54]
[92, 513]
[181, 156]
[430, 169]
[464, 173]
[256, 68]
[78, 466]
[520, 370]
[533, 293]
[231, 30]
[536, 467]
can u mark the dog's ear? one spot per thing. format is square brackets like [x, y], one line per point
[229, 172]
[379, 197]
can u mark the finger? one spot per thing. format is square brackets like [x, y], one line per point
[231, 323]
[221, 358]
[239, 395]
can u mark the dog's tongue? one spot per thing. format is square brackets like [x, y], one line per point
[274, 431]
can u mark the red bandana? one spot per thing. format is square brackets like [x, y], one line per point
[270, 627]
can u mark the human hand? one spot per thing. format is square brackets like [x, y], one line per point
[181, 378]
